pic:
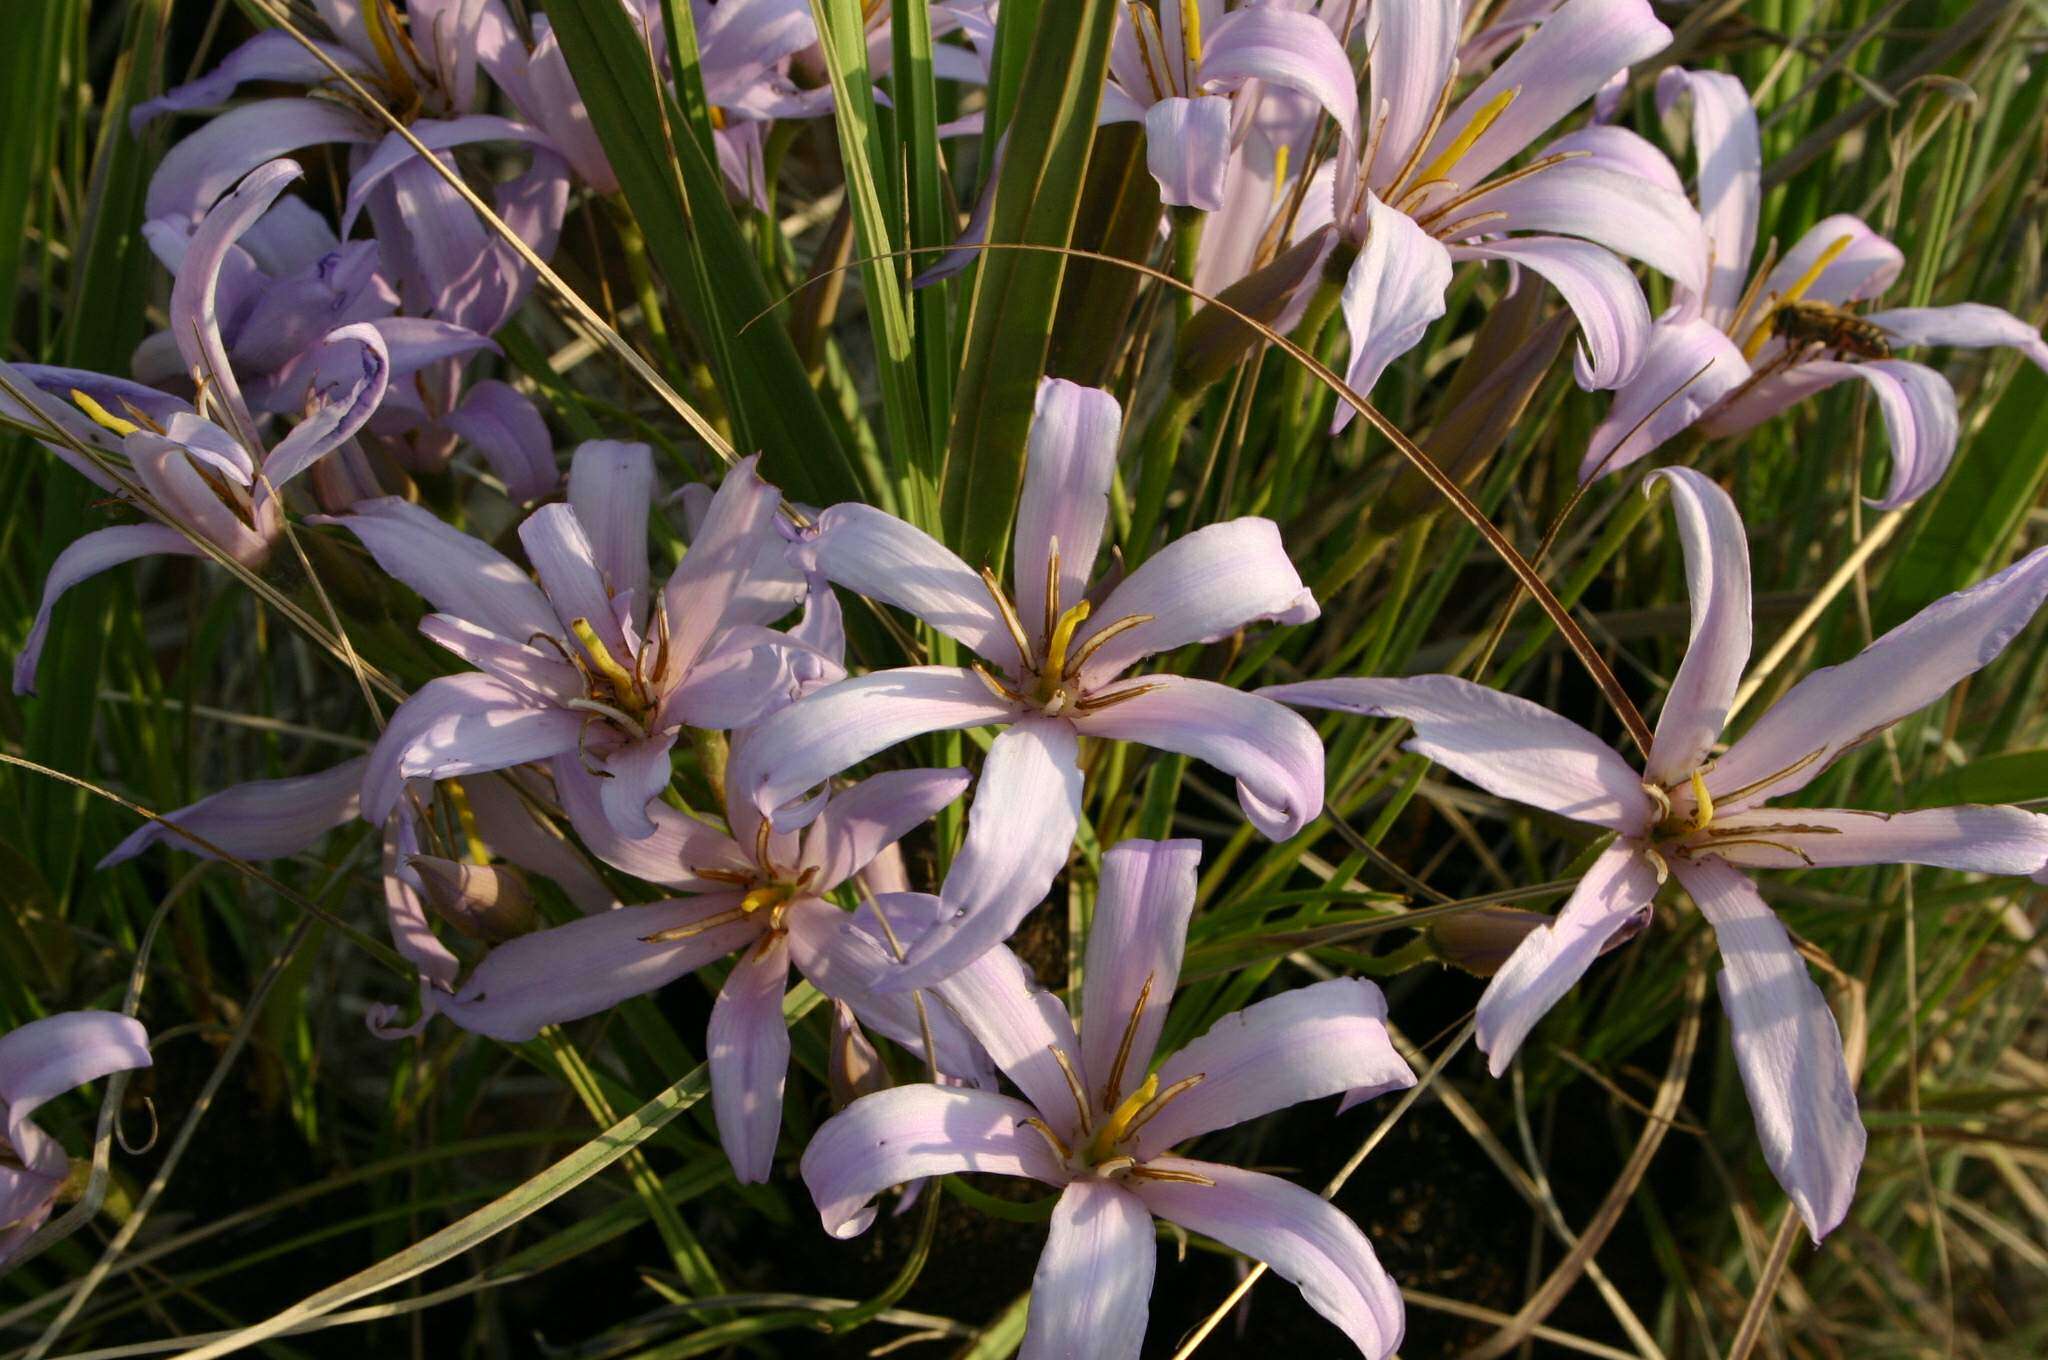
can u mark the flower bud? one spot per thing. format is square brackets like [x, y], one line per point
[853, 1069]
[486, 902]
[1214, 340]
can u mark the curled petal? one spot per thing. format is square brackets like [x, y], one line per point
[570, 971]
[504, 427]
[45, 1058]
[1626, 214]
[1187, 149]
[273, 57]
[82, 559]
[1787, 1045]
[462, 724]
[1964, 325]
[262, 819]
[1286, 50]
[1688, 367]
[1861, 269]
[1394, 290]
[1205, 586]
[670, 855]
[1614, 317]
[1276, 758]
[880, 810]
[1305, 1239]
[908, 1133]
[216, 155]
[1717, 580]
[1313, 1041]
[639, 771]
[335, 387]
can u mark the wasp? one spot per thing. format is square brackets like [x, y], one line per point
[1803, 323]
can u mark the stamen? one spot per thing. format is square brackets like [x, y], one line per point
[1009, 613]
[140, 416]
[101, 416]
[1488, 114]
[1436, 121]
[673, 933]
[1720, 845]
[1058, 1144]
[995, 686]
[762, 831]
[1115, 1165]
[732, 876]
[1112, 1132]
[1659, 800]
[1658, 863]
[1167, 1173]
[1115, 1085]
[1279, 173]
[604, 710]
[770, 897]
[1089, 648]
[1465, 226]
[382, 25]
[466, 819]
[1451, 205]
[1191, 38]
[1052, 588]
[1145, 29]
[1095, 703]
[1059, 1055]
[617, 676]
[1795, 767]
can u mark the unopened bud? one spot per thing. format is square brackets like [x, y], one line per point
[1214, 340]
[853, 1069]
[484, 901]
[1480, 940]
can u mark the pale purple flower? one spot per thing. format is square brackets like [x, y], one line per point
[1427, 188]
[38, 1062]
[1705, 819]
[1055, 672]
[209, 472]
[1098, 1123]
[1730, 356]
[1176, 68]
[759, 894]
[591, 661]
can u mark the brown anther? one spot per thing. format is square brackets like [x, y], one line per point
[1167, 1173]
[1160, 1102]
[995, 686]
[1113, 1089]
[1008, 612]
[673, 933]
[1059, 1055]
[1052, 588]
[1058, 1144]
[1095, 703]
[1094, 644]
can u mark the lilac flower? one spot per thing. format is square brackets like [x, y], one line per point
[1174, 68]
[1054, 662]
[1099, 1124]
[590, 661]
[1423, 191]
[38, 1062]
[208, 474]
[758, 894]
[1744, 348]
[1705, 819]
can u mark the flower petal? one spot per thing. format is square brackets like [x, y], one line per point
[1274, 755]
[611, 484]
[1020, 1025]
[567, 567]
[907, 1133]
[717, 570]
[1862, 269]
[570, 971]
[1394, 290]
[1067, 471]
[272, 57]
[216, 155]
[1623, 212]
[801, 746]
[1287, 50]
[45, 1058]
[878, 811]
[1299, 1045]
[1614, 317]
[1135, 943]
[261, 819]
[502, 425]
[670, 855]
[877, 555]
[541, 674]
[1729, 150]
[1187, 149]
[1020, 831]
[1688, 367]
[1550, 961]
[1964, 325]
[1717, 650]
[639, 771]
[335, 387]
[1092, 1291]
[1305, 1239]
[1907, 669]
[457, 725]
[1206, 586]
[1409, 49]
[1501, 742]
[455, 573]
[85, 557]
[748, 1047]
[1556, 69]
[1984, 840]
[1786, 1044]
